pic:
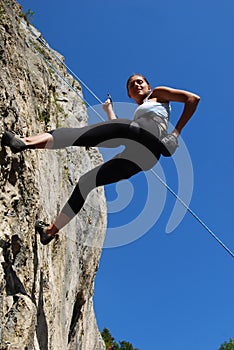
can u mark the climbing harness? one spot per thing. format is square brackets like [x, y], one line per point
[196, 217]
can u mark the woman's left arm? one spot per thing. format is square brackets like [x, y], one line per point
[189, 99]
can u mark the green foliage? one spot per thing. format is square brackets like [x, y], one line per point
[111, 344]
[227, 346]
[109, 340]
[44, 116]
[27, 16]
[124, 345]
[30, 14]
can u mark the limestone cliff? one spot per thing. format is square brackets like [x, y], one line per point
[45, 291]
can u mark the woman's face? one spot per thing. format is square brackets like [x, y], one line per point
[138, 88]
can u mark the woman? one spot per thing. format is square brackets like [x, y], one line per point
[145, 138]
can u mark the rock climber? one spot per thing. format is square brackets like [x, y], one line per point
[145, 138]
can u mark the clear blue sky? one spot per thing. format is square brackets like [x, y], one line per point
[163, 291]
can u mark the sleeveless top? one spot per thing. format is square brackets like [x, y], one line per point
[150, 109]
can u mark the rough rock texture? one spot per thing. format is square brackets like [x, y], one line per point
[45, 291]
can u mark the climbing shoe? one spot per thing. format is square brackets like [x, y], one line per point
[40, 228]
[16, 145]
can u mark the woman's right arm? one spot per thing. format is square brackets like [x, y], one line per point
[108, 108]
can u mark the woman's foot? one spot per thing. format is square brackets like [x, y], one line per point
[16, 145]
[46, 232]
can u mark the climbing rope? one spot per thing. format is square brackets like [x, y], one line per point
[63, 63]
[193, 214]
[65, 80]
[196, 217]
[59, 74]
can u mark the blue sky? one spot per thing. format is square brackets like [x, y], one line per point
[162, 291]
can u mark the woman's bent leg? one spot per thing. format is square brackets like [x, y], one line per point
[135, 158]
[112, 171]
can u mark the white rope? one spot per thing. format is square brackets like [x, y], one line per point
[46, 45]
[96, 97]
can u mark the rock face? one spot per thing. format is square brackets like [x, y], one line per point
[45, 291]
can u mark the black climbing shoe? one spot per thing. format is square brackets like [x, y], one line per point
[16, 145]
[40, 228]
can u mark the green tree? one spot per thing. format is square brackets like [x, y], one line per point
[109, 340]
[227, 346]
[124, 345]
[111, 344]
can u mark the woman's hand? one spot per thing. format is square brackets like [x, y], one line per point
[108, 108]
[175, 133]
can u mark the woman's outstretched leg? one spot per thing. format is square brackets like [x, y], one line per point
[87, 136]
[39, 141]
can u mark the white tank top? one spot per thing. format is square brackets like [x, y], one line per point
[150, 109]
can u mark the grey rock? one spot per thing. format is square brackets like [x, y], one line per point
[46, 292]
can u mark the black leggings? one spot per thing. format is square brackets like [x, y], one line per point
[142, 151]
